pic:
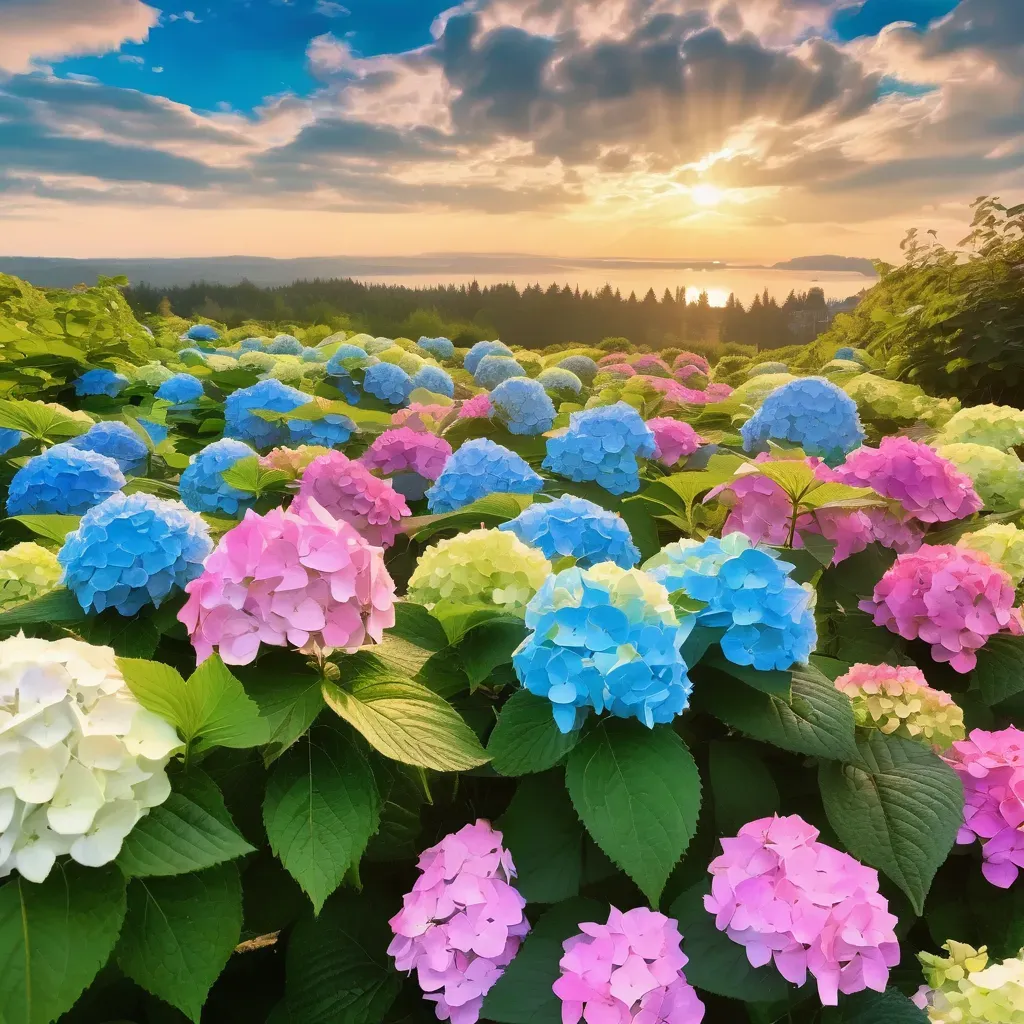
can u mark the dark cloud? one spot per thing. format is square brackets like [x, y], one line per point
[993, 26]
[338, 137]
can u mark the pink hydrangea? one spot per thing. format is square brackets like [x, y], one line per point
[476, 408]
[991, 767]
[952, 598]
[786, 897]
[619, 369]
[306, 580]
[613, 357]
[425, 418]
[691, 359]
[650, 363]
[405, 450]
[675, 439]
[462, 923]
[677, 392]
[628, 970]
[693, 375]
[349, 491]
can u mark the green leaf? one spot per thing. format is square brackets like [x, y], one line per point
[248, 476]
[834, 495]
[136, 637]
[525, 738]
[40, 421]
[179, 933]
[898, 809]
[190, 831]
[320, 810]
[817, 720]
[638, 793]
[409, 723]
[289, 701]
[54, 528]
[819, 547]
[522, 995]
[54, 938]
[458, 619]
[489, 645]
[491, 510]
[741, 784]
[796, 478]
[413, 640]
[867, 1007]
[776, 683]
[999, 673]
[58, 608]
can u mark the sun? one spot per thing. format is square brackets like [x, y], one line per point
[706, 195]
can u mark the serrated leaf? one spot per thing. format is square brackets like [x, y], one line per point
[58, 607]
[773, 682]
[525, 738]
[796, 478]
[488, 645]
[136, 637]
[458, 619]
[741, 784]
[867, 1007]
[50, 527]
[999, 673]
[289, 701]
[39, 420]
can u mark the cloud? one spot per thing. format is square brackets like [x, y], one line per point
[330, 9]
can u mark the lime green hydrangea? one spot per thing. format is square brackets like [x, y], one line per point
[492, 566]
[964, 988]
[754, 391]
[896, 402]
[256, 362]
[998, 426]
[26, 571]
[221, 364]
[152, 374]
[998, 476]
[1003, 543]
[408, 361]
[287, 369]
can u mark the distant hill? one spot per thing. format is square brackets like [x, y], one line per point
[843, 264]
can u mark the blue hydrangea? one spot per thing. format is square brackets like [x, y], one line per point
[118, 442]
[157, 431]
[202, 487]
[202, 332]
[576, 528]
[375, 346]
[434, 379]
[492, 370]
[250, 345]
[481, 349]
[133, 550]
[311, 355]
[285, 345]
[602, 445]
[845, 353]
[555, 378]
[605, 639]
[101, 382]
[241, 423]
[810, 413]
[439, 348]
[387, 382]
[523, 406]
[9, 439]
[180, 389]
[481, 467]
[63, 481]
[331, 431]
[191, 357]
[768, 618]
[345, 359]
[583, 366]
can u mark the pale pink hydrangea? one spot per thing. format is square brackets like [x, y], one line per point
[349, 491]
[463, 922]
[628, 970]
[809, 907]
[689, 373]
[691, 359]
[677, 392]
[952, 598]
[418, 416]
[613, 357]
[406, 450]
[619, 369]
[476, 408]
[650, 362]
[675, 439]
[309, 581]
[991, 767]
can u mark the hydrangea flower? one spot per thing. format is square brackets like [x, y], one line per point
[575, 528]
[1003, 543]
[285, 345]
[256, 362]
[998, 476]
[462, 923]
[181, 389]
[312, 355]
[101, 382]
[964, 988]
[131, 551]
[768, 618]
[991, 767]
[606, 639]
[435, 380]
[118, 442]
[616, 371]
[439, 348]
[250, 345]
[83, 760]
[339, 362]
[630, 969]
[760, 369]
[411, 362]
[202, 332]
[422, 418]
[582, 367]
[481, 467]
[152, 374]
[997, 426]
[387, 382]
[482, 349]
[673, 439]
[9, 439]
[413, 459]
[202, 486]
[476, 408]
[523, 406]
[27, 571]
[292, 460]
[691, 359]
[340, 366]
[898, 701]
[63, 481]
[949, 597]
[613, 357]
[602, 444]
[192, 357]
[158, 432]
[786, 897]
[651, 365]
[241, 423]
[306, 580]
[329, 431]
[558, 379]
[492, 370]
[348, 491]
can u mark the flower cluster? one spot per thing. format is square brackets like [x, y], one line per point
[180, 389]
[387, 382]
[786, 897]
[651, 365]
[673, 439]
[63, 481]
[691, 359]
[602, 444]
[202, 332]
[964, 988]
[630, 969]
[202, 486]
[350, 492]
[759, 369]
[306, 580]
[486, 566]
[27, 570]
[117, 441]
[285, 345]
[83, 760]
[439, 348]
[482, 349]
[328, 431]
[605, 638]
[291, 460]
[462, 923]
[949, 597]
[582, 367]
[492, 370]
[898, 701]
[242, 423]
[435, 380]
[478, 468]
[1003, 543]
[997, 426]
[422, 418]
[152, 374]
[523, 406]
[998, 476]
[811, 413]
[131, 551]
[560, 381]
[767, 617]
[476, 408]
[991, 767]
[101, 382]
[403, 449]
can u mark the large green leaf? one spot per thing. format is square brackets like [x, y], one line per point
[742, 787]
[50, 527]
[898, 809]
[179, 933]
[773, 682]
[39, 420]
[638, 793]
[491, 510]
[525, 738]
[289, 699]
[58, 607]
[54, 938]
[320, 810]
[488, 645]
[867, 1007]
[1000, 670]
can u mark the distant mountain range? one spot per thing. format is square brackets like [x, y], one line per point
[841, 264]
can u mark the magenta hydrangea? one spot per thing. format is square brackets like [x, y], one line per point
[619, 369]
[628, 970]
[476, 408]
[786, 897]
[691, 359]
[652, 364]
[682, 395]
[675, 439]
[462, 923]
[952, 598]
[991, 767]
[406, 450]
[308, 581]
[613, 357]
[349, 491]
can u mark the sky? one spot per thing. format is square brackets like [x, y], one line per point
[753, 130]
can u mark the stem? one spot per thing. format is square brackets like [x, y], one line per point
[792, 523]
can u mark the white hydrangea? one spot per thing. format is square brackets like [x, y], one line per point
[81, 761]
